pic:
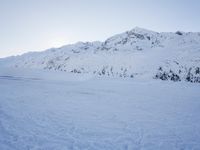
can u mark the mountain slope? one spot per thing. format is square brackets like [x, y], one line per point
[135, 53]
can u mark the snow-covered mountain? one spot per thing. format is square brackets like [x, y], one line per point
[135, 53]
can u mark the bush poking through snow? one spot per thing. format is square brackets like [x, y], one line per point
[190, 75]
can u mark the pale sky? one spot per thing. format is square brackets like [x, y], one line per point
[35, 25]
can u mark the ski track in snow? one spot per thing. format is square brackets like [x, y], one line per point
[118, 114]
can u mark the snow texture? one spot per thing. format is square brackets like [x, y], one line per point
[44, 110]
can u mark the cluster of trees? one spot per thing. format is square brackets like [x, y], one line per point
[167, 75]
[193, 75]
[109, 71]
[190, 75]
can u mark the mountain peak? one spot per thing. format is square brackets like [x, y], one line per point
[142, 30]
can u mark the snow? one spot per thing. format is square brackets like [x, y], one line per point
[42, 110]
[136, 53]
[103, 95]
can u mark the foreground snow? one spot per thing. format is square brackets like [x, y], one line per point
[47, 111]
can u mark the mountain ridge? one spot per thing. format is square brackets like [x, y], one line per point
[135, 53]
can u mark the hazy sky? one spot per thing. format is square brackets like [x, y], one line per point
[32, 25]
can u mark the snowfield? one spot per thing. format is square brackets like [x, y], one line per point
[46, 110]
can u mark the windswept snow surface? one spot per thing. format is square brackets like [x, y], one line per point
[52, 111]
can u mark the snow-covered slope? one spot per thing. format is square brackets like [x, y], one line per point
[135, 53]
